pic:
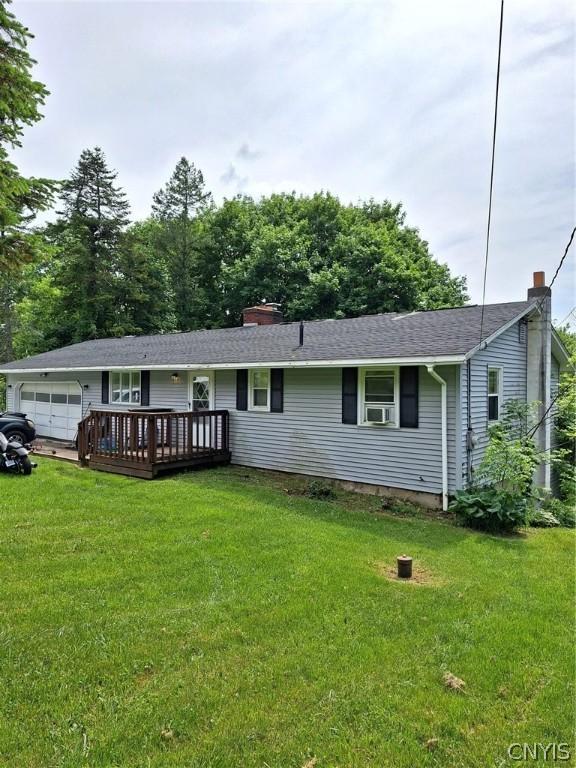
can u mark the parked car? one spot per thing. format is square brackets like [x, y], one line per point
[17, 428]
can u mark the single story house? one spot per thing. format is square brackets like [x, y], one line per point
[396, 401]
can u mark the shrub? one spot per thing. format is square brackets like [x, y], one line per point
[563, 511]
[320, 489]
[490, 509]
[511, 457]
[500, 499]
[564, 454]
[543, 518]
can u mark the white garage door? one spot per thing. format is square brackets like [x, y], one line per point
[55, 408]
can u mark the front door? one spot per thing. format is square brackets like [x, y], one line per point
[201, 398]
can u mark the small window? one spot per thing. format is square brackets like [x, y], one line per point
[74, 399]
[24, 395]
[259, 390]
[378, 389]
[494, 393]
[201, 384]
[42, 397]
[59, 398]
[125, 387]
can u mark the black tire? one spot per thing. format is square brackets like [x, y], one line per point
[26, 466]
[15, 436]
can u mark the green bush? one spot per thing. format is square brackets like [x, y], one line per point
[563, 511]
[511, 457]
[490, 509]
[501, 497]
[543, 518]
[320, 489]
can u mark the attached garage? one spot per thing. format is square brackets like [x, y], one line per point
[56, 408]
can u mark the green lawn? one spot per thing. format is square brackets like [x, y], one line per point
[212, 619]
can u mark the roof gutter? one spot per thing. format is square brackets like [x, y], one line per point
[143, 365]
[444, 420]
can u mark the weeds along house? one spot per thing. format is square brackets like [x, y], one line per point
[389, 401]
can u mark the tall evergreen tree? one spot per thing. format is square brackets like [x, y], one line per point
[145, 299]
[20, 100]
[89, 237]
[176, 207]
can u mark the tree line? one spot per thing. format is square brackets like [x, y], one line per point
[92, 272]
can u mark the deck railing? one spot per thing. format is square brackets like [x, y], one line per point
[146, 438]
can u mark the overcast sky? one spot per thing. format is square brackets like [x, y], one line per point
[385, 99]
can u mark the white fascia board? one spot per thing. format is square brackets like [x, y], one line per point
[502, 329]
[559, 350]
[435, 360]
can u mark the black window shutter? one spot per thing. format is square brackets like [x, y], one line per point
[144, 387]
[242, 390]
[409, 396]
[277, 390]
[105, 397]
[349, 395]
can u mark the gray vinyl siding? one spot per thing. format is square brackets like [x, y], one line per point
[507, 351]
[163, 394]
[554, 377]
[309, 437]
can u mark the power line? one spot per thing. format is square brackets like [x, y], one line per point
[561, 322]
[492, 170]
[532, 431]
[559, 393]
[559, 267]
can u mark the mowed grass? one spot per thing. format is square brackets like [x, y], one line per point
[212, 619]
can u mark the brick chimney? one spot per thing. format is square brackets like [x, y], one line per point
[539, 288]
[538, 368]
[262, 314]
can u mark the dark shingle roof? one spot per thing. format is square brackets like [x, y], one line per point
[445, 332]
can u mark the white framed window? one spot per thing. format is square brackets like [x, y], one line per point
[125, 387]
[201, 390]
[379, 398]
[494, 393]
[259, 389]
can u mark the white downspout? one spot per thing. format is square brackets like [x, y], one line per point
[444, 418]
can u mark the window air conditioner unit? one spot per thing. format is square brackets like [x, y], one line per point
[377, 414]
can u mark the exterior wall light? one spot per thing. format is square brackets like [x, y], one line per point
[175, 378]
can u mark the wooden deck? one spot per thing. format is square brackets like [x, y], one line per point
[145, 443]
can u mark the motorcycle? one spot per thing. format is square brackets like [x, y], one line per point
[14, 457]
